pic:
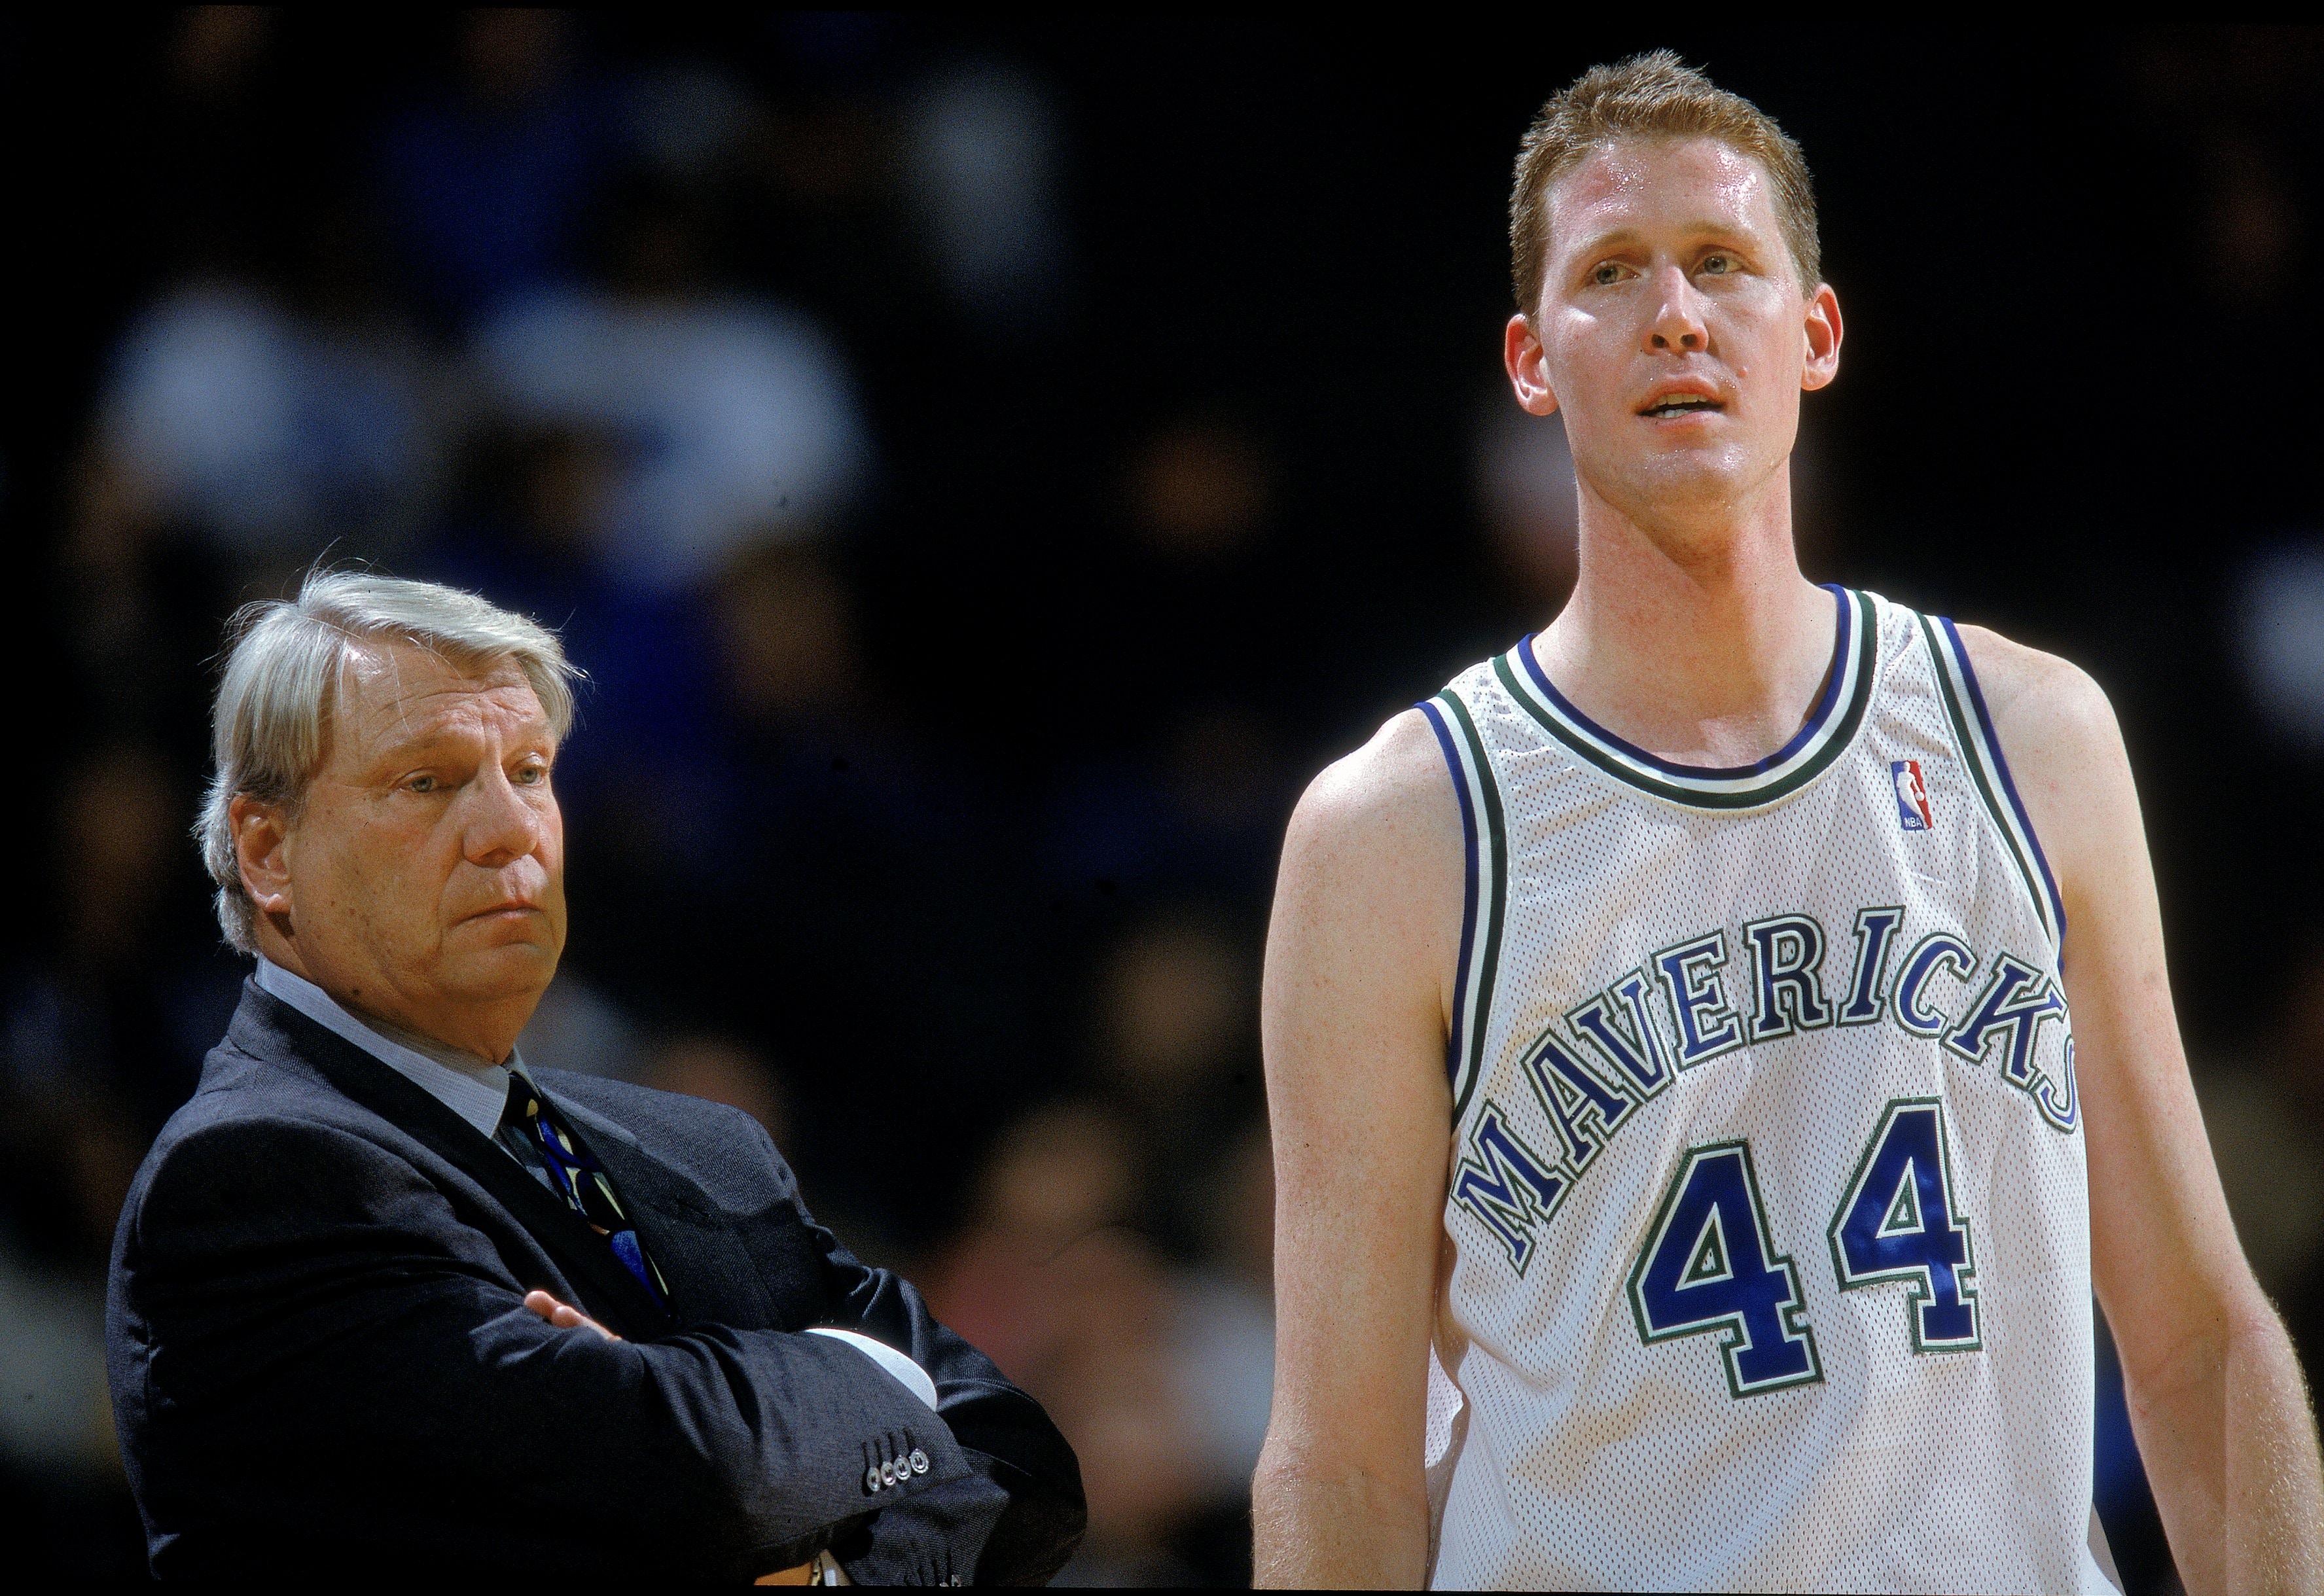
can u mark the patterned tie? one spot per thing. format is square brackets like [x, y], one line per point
[575, 1171]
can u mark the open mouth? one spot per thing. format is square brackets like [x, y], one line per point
[1681, 404]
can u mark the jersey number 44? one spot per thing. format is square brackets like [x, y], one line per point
[1710, 1264]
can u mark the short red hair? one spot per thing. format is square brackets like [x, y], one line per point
[1650, 96]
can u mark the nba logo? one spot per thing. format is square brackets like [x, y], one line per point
[1913, 811]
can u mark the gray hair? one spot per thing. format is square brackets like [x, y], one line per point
[270, 727]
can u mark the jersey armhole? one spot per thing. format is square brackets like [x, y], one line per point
[1981, 749]
[1484, 864]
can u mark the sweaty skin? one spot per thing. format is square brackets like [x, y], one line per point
[1692, 633]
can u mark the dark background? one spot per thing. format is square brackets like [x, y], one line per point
[930, 812]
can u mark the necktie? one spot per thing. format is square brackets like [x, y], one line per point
[577, 1175]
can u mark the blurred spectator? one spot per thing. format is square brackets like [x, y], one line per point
[131, 988]
[980, 172]
[1226, 1346]
[1200, 486]
[139, 599]
[487, 184]
[216, 171]
[2250, 233]
[2262, 1117]
[1194, 789]
[2278, 629]
[103, 1031]
[786, 628]
[1200, 810]
[731, 422]
[580, 1028]
[721, 1069]
[63, 1502]
[1176, 1038]
[1082, 1313]
[269, 430]
[1524, 481]
[688, 121]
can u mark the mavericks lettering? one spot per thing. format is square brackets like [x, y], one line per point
[1592, 1072]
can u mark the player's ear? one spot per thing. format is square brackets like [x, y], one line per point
[1523, 356]
[1822, 332]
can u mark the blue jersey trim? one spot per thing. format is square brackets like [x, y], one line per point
[1468, 883]
[1815, 723]
[2001, 763]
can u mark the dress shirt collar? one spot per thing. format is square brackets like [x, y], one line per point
[476, 1091]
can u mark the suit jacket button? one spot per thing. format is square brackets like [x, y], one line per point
[919, 1461]
[872, 1478]
[887, 1473]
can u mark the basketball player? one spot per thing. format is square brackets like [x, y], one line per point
[1715, 1046]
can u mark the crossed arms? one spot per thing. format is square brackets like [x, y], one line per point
[320, 1359]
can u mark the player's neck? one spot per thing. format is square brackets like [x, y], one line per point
[1699, 643]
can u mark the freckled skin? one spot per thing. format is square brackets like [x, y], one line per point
[422, 880]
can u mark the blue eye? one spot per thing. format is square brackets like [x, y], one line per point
[1718, 265]
[1606, 274]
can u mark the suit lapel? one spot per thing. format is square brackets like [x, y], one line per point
[710, 1271]
[615, 1298]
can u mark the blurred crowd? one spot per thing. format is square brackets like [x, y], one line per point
[952, 666]
[633, 342]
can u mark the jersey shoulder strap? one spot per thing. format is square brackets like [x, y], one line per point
[1980, 755]
[1455, 714]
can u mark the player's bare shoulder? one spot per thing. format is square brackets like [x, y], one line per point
[1392, 795]
[1373, 856]
[2065, 750]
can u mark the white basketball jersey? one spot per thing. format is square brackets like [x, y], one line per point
[1770, 1227]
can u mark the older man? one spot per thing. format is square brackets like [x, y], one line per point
[384, 1299]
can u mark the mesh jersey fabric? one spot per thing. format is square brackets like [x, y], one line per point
[1770, 1222]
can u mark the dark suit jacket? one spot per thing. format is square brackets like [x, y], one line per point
[322, 1364]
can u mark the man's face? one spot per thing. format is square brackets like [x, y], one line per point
[425, 869]
[1673, 329]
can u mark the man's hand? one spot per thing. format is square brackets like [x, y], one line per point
[562, 1316]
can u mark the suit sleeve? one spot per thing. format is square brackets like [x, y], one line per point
[1018, 1514]
[310, 1344]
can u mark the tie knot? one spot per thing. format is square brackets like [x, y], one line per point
[524, 1106]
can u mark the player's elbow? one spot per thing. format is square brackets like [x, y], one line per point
[2215, 1313]
[1371, 1490]
[1322, 1517]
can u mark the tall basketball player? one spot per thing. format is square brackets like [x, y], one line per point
[1715, 1046]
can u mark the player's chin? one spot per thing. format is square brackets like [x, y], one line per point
[1696, 465]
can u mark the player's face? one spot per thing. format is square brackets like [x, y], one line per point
[1673, 329]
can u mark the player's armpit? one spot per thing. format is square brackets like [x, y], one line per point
[1359, 956]
[2216, 1401]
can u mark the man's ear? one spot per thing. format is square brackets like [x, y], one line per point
[1823, 332]
[1523, 356]
[261, 847]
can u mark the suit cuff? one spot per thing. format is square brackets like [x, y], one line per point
[902, 1370]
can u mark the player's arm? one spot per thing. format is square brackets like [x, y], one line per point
[1359, 959]
[2222, 1416]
